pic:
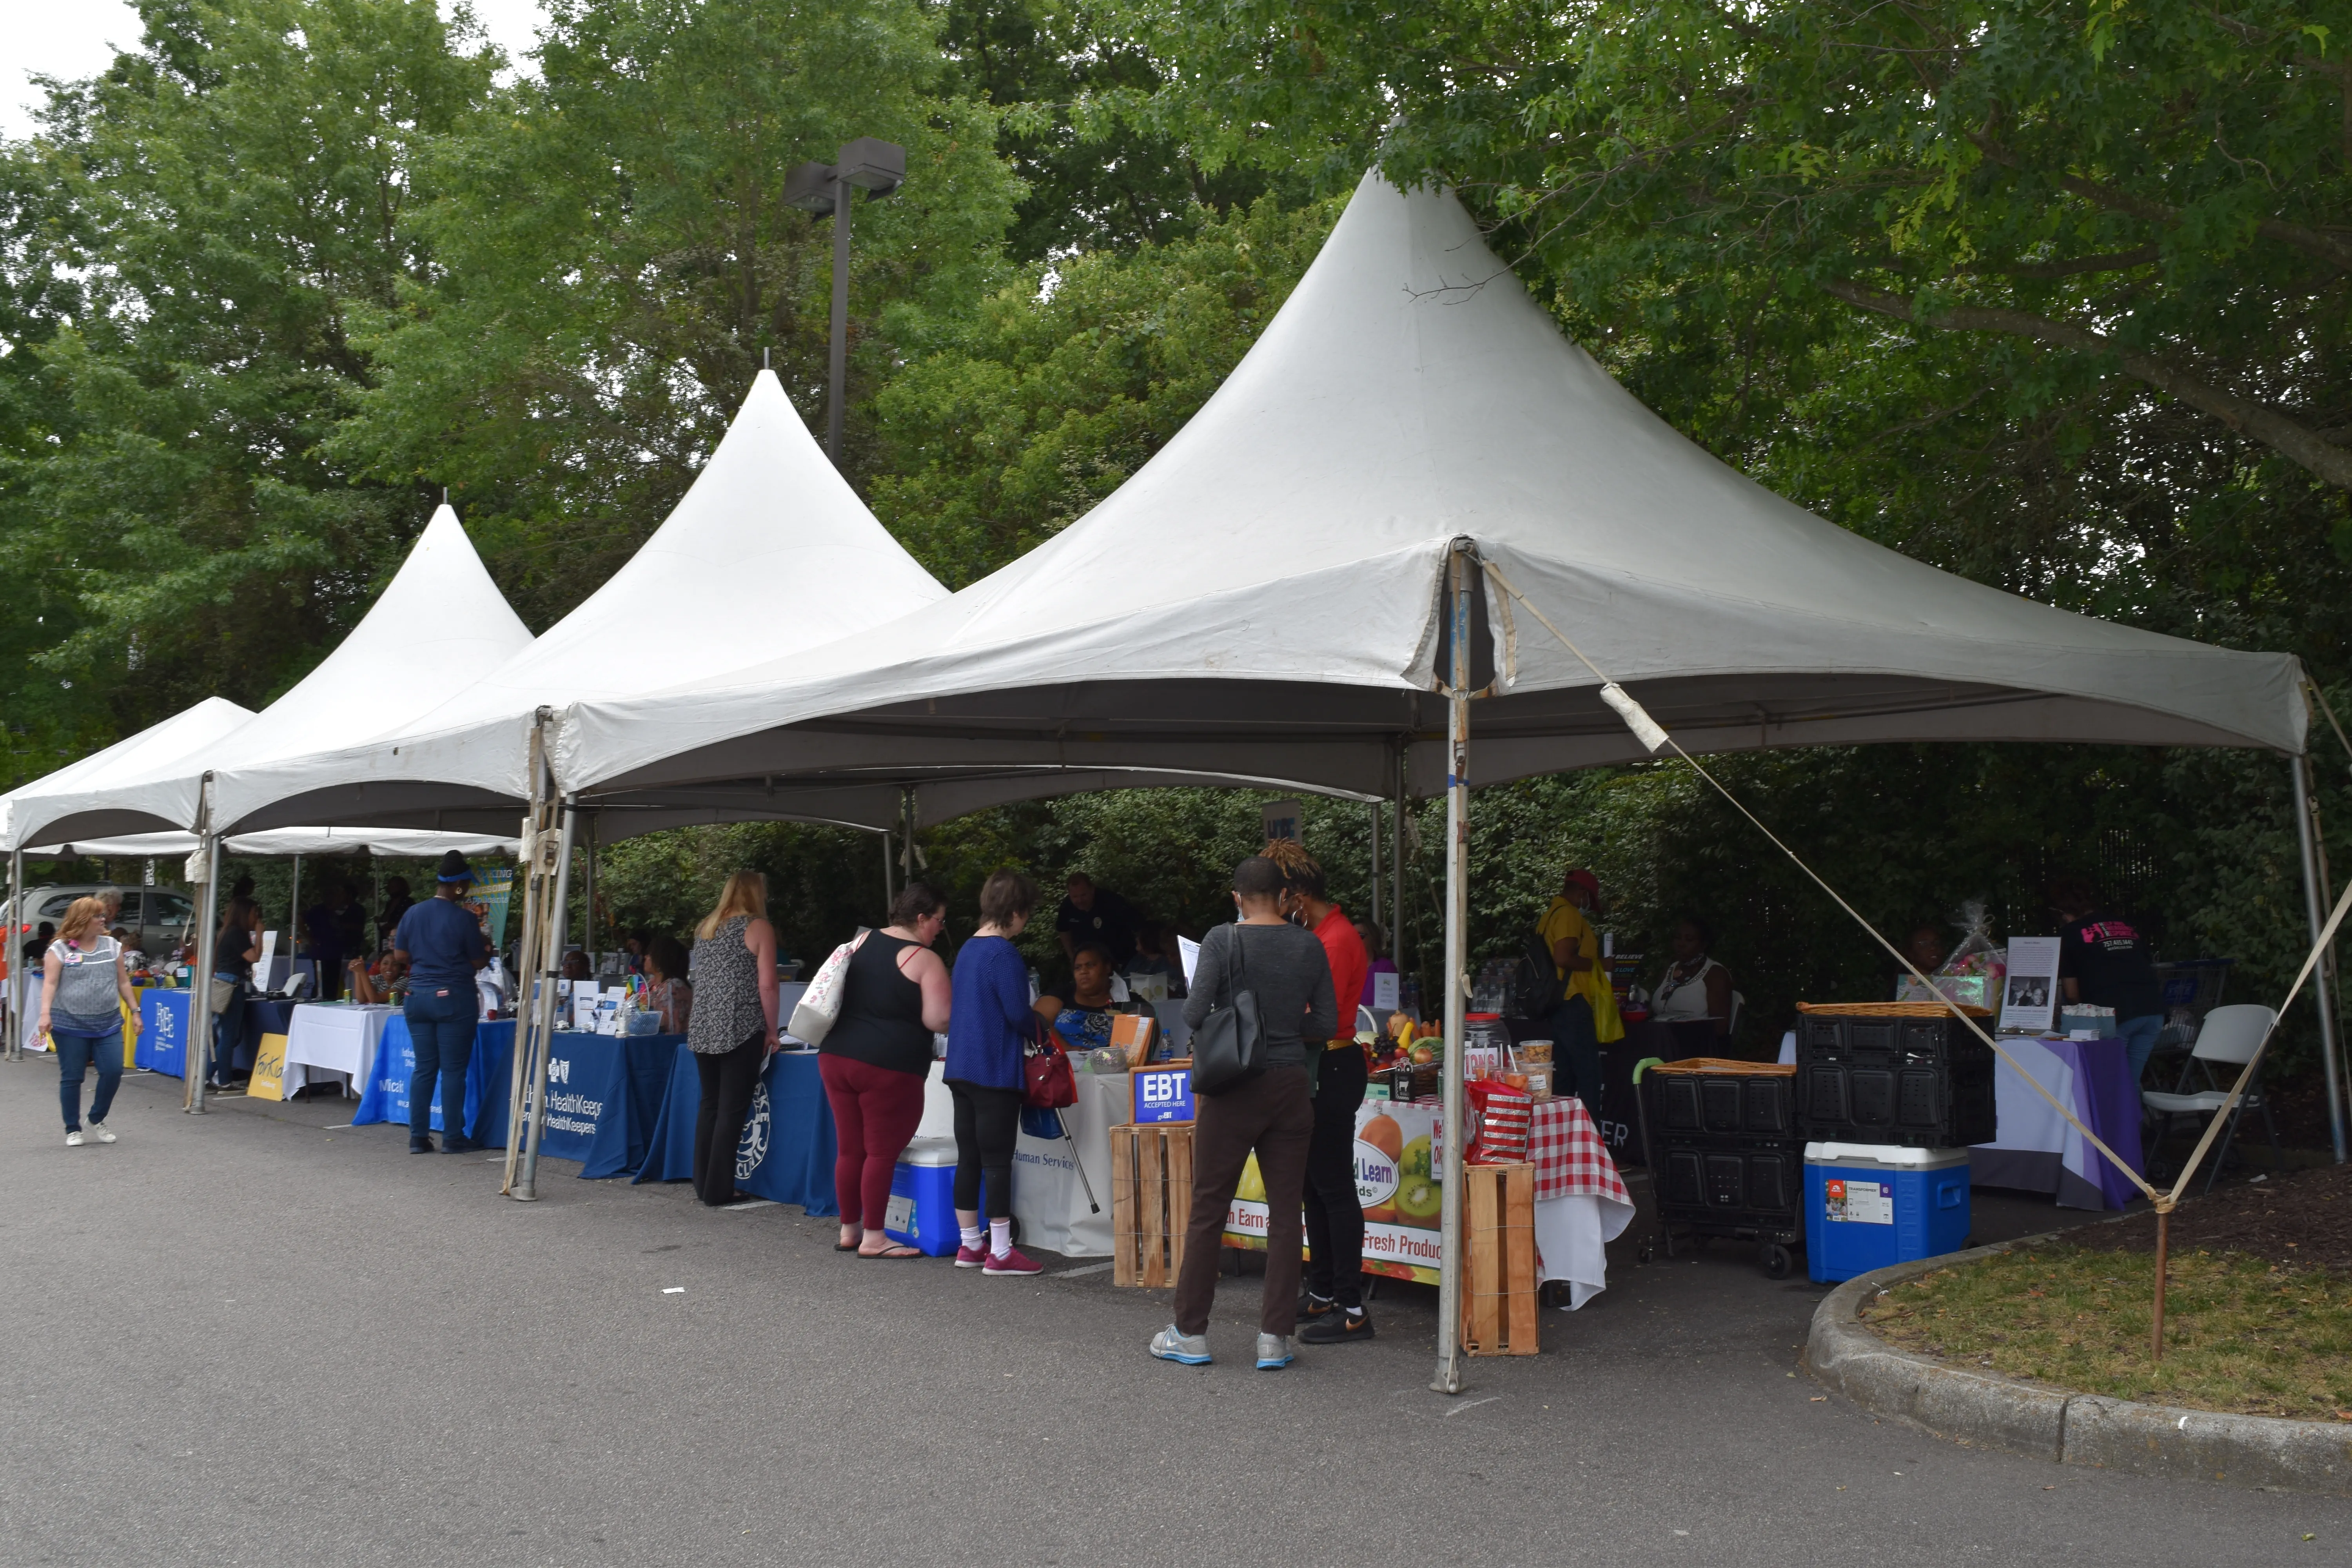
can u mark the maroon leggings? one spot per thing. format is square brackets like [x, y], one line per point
[874, 1111]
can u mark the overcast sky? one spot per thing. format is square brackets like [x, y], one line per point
[76, 39]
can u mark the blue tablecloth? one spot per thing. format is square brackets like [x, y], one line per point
[787, 1148]
[261, 1018]
[162, 1031]
[603, 1093]
[385, 1096]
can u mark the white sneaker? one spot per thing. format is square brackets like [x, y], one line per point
[99, 1134]
[1192, 1350]
[74, 1139]
[1273, 1352]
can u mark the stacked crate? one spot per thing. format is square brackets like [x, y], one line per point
[1725, 1152]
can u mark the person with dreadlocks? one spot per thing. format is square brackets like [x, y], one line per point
[1331, 1312]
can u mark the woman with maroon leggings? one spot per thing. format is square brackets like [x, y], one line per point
[876, 1058]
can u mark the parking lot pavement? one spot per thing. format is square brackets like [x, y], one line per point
[261, 1337]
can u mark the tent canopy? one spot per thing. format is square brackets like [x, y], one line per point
[400, 842]
[1262, 597]
[160, 745]
[439, 622]
[768, 554]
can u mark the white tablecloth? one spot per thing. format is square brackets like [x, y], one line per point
[331, 1039]
[1061, 1187]
[1572, 1235]
[29, 1036]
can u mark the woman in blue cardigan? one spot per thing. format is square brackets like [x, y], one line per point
[989, 1022]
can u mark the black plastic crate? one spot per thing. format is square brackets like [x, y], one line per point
[1699, 1108]
[1924, 1082]
[1759, 1184]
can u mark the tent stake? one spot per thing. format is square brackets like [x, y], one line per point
[2163, 1242]
[1457, 901]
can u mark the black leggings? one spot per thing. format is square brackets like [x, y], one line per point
[728, 1081]
[987, 1121]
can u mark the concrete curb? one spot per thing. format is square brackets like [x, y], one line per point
[1987, 1411]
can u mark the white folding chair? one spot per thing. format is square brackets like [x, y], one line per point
[2227, 1041]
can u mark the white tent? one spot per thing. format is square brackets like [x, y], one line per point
[437, 626]
[1263, 596]
[1315, 580]
[157, 746]
[403, 843]
[768, 554]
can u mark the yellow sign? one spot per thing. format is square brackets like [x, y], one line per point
[268, 1070]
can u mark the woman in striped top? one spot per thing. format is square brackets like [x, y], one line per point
[83, 989]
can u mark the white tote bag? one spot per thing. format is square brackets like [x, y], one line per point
[820, 1005]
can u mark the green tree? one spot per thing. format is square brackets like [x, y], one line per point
[616, 258]
[191, 236]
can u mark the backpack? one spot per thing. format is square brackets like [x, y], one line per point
[1536, 987]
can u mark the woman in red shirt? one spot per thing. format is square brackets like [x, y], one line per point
[1332, 1311]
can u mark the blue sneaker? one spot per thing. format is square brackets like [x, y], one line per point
[1273, 1352]
[1192, 1350]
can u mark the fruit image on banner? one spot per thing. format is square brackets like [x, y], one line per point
[1397, 1179]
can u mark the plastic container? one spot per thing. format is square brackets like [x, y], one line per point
[1882, 1075]
[1871, 1205]
[1721, 1135]
[922, 1198]
[1707, 1102]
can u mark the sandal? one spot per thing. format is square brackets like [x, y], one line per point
[894, 1251]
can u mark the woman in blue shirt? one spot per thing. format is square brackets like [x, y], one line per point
[989, 1022]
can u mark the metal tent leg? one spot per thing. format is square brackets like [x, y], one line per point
[1457, 899]
[2323, 976]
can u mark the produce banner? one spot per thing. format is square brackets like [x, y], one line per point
[1397, 1178]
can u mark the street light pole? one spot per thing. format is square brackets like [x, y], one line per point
[878, 168]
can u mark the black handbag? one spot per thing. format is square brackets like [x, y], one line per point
[1229, 1048]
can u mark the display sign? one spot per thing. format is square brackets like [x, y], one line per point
[492, 892]
[1282, 818]
[1162, 1094]
[1397, 1157]
[1384, 989]
[1848, 1202]
[268, 1081]
[2028, 1001]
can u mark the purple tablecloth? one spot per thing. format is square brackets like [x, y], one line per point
[2037, 1151]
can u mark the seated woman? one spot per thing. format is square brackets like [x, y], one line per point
[575, 966]
[1081, 1009]
[667, 990]
[1694, 996]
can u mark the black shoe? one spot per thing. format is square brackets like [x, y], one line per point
[459, 1144]
[1312, 1307]
[1337, 1328]
[420, 1145]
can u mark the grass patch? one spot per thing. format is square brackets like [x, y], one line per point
[2240, 1335]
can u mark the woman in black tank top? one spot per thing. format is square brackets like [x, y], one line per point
[874, 1058]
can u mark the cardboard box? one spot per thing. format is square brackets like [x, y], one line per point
[1133, 1034]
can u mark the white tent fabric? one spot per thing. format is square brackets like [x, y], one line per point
[403, 843]
[437, 626]
[160, 745]
[770, 553]
[1262, 597]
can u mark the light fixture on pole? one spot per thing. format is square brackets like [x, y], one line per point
[878, 168]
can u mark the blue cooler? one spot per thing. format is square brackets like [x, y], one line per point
[1869, 1205]
[922, 1198]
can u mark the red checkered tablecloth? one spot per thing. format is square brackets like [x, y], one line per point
[1571, 1161]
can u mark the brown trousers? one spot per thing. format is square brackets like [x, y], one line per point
[1274, 1115]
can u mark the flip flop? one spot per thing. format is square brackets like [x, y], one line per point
[893, 1253]
[845, 1247]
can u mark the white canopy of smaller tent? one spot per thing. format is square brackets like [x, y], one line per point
[404, 843]
[437, 626]
[1263, 596]
[159, 745]
[768, 554]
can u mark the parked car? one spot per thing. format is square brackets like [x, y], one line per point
[156, 918]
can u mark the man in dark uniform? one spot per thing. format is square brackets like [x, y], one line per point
[1097, 914]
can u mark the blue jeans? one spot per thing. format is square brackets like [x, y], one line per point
[2139, 1035]
[1576, 1047]
[441, 1022]
[74, 1055]
[229, 1032]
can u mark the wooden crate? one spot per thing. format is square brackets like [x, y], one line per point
[1498, 1296]
[1151, 1201]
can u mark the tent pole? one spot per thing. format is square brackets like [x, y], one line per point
[1396, 863]
[14, 1049]
[294, 928]
[889, 893]
[196, 1059]
[2323, 978]
[588, 898]
[1373, 809]
[907, 812]
[1457, 899]
[531, 969]
[527, 1183]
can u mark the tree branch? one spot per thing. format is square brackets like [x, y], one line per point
[2322, 244]
[2281, 433]
[2114, 261]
